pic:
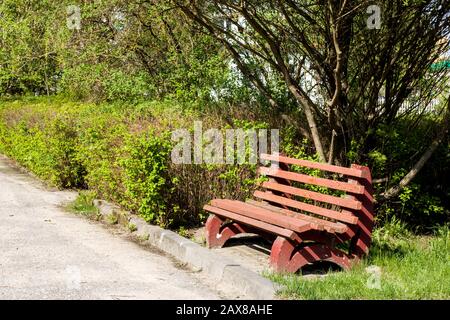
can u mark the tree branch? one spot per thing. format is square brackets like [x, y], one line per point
[394, 191]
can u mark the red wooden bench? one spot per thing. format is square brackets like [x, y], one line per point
[305, 226]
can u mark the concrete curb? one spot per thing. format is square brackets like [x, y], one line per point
[224, 271]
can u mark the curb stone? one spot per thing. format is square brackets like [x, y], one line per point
[223, 270]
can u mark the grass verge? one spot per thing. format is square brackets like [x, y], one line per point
[84, 205]
[398, 267]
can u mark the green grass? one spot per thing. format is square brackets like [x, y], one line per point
[411, 267]
[132, 227]
[84, 204]
[111, 219]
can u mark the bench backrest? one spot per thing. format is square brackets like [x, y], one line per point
[352, 205]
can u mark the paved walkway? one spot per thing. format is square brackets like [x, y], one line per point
[47, 253]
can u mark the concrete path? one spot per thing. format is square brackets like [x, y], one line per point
[47, 253]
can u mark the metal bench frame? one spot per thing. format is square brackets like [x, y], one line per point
[302, 232]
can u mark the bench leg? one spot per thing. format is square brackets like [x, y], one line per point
[285, 257]
[216, 235]
[280, 255]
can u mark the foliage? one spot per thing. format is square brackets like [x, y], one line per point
[146, 182]
[344, 77]
[28, 61]
[122, 51]
[120, 153]
[425, 201]
[45, 143]
[267, 60]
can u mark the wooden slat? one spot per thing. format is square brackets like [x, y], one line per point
[340, 216]
[252, 222]
[263, 215]
[303, 178]
[317, 196]
[352, 172]
[316, 224]
[333, 227]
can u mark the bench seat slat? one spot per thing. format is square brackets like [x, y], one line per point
[303, 178]
[342, 202]
[340, 216]
[253, 222]
[247, 210]
[333, 227]
[351, 172]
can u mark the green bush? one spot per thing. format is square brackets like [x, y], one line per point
[102, 82]
[424, 203]
[45, 142]
[120, 153]
[146, 178]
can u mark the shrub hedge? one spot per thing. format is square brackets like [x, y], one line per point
[122, 153]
